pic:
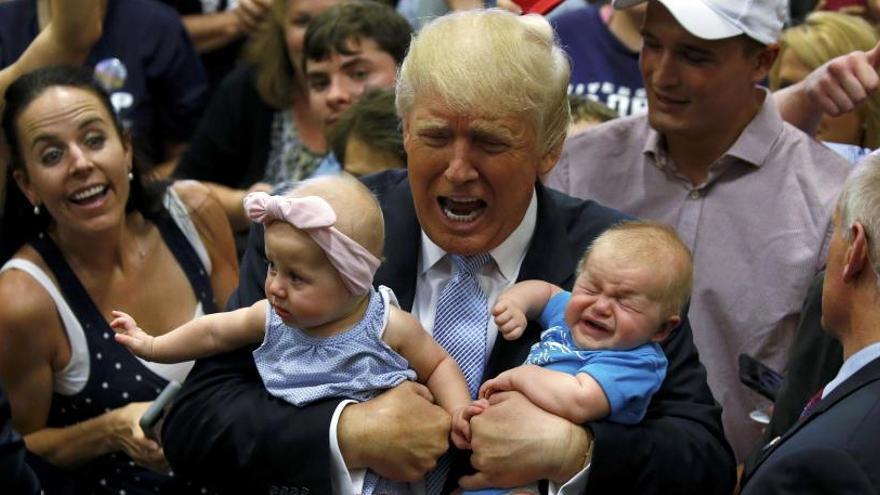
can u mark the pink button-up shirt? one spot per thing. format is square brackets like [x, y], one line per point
[758, 229]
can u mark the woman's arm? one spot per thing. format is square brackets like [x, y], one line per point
[213, 227]
[32, 344]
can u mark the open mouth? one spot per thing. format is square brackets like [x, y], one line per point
[462, 210]
[281, 312]
[667, 100]
[596, 326]
[89, 195]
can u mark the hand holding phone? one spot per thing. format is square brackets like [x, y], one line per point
[759, 377]
[151, 421]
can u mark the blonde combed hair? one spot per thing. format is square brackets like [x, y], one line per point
[657, 245]
[824, 36]
[490, 62]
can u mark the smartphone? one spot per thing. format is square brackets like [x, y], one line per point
[759, 377]
[151, 421]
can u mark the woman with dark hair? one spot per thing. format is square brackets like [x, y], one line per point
[83, 234]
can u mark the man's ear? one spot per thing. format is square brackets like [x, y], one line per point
[856, 257]
[665, 328]
[404, 128]
[548, 161]
[24, 184]
[764, 61]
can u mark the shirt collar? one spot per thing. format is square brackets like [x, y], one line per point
[753, 145]
[855, 362]
[508, 255]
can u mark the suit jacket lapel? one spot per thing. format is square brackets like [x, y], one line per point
[870, 373]
[548, 258]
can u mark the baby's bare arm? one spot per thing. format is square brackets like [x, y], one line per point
[577, 398]
[203, 336]
[522, 302]
[433, 366]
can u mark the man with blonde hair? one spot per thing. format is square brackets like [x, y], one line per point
[482, 96]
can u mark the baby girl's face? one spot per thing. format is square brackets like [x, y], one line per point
[304, 288]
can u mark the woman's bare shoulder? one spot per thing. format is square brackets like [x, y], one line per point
[25, 306]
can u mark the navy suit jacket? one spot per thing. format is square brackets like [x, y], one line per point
[833, 450]
[226, 426]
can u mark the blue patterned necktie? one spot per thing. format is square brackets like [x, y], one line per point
[460, 328]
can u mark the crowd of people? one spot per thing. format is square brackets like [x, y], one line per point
[427, 247]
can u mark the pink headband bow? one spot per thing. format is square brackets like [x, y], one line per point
[316, 217]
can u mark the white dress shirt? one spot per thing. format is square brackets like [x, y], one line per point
[855, 362]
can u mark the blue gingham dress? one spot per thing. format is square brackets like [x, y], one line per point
[354, 364]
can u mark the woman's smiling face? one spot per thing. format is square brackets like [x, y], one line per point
[76, 164]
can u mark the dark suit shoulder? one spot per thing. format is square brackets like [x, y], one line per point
[386, 181]
[583, 220]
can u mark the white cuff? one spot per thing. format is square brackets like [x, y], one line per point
[343, 480]
[578, 483]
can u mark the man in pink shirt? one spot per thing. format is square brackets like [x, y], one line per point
[749, 194]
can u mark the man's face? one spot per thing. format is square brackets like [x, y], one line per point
[472, 177]
[695, 86]
[338, 81]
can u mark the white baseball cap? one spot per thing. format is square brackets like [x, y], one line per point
[760, 20]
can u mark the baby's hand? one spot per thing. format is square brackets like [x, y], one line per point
[461, 423]
[500, 383]
[511, 321]
[137, 341]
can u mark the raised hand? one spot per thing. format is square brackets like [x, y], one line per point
[510, 319]
[844, 82]
[250, 13]
[137, 341]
